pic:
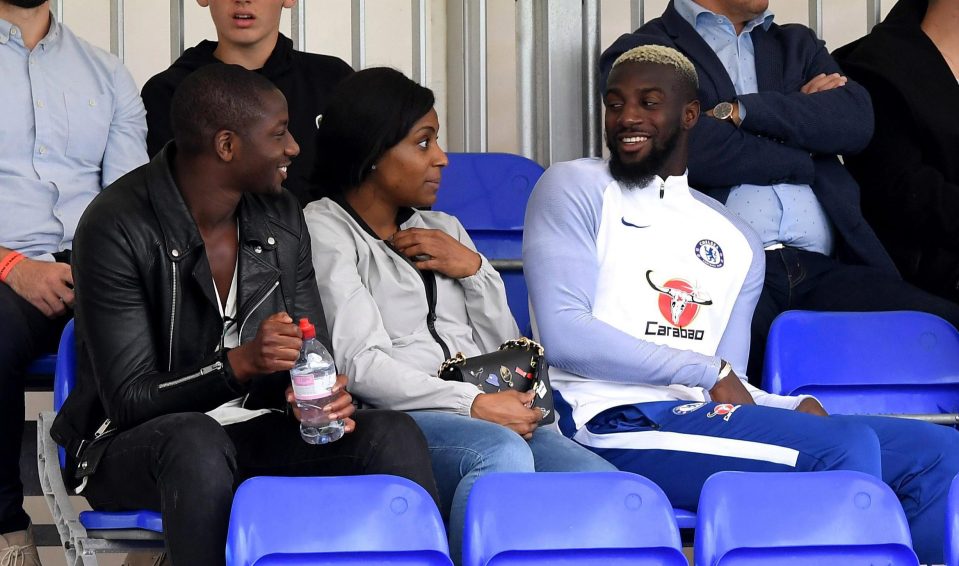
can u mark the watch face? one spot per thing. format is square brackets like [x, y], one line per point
[723, 110]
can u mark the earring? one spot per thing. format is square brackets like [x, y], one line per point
[373, 167]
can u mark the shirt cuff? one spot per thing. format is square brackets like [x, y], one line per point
[480, 279]
[710, 374]
[465, 402]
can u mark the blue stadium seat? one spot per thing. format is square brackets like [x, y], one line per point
[608, 518]
[951, 550]
[867, 363]
[89, 532]
[375, 519]
[800, 518]
[488, 192]
[684, 519]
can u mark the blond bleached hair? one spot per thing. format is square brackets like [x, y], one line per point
[661, 55]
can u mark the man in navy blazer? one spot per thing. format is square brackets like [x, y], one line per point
[777, 111]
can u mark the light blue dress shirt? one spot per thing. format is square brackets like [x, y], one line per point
[73, 123]
[787, 214]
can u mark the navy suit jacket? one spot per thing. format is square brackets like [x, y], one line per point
[787, 136]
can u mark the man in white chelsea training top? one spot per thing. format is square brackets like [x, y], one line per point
[644, 290]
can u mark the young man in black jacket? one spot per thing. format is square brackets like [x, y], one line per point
[248, 34]
[189, 274]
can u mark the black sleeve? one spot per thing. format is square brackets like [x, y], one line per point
[157, 95]
[120, 329]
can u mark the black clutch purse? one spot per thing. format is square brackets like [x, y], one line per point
[518, 364]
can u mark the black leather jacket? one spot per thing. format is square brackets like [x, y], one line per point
[147, 321]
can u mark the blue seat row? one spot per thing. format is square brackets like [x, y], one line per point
[516, 518]
[609, 518]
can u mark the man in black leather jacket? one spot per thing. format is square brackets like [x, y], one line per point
[189, 272]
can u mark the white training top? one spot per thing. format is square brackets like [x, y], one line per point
[638, 293]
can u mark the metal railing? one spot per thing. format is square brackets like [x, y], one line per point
[558, 44]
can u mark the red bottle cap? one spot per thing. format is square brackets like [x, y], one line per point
[307, 329]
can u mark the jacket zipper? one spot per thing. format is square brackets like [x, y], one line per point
[429, 286]
[102, 430]
[215, 366]
[256, 306]
[429, 280]
[429, 283]
[172, 321]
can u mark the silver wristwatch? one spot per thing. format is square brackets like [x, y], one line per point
[725, 368]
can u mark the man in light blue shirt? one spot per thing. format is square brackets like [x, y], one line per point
[73, 123]
[783, 213]
[777, 112]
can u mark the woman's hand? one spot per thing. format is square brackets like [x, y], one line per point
[436, 250]
[508, 408]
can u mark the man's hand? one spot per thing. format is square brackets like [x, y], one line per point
[510, 409]
[275, 348]
[730, 389]
[812, 407]
[44, 284]
[823, 82]
[437, 251]
[341, 407]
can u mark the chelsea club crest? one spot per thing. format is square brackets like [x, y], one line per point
[710, 253]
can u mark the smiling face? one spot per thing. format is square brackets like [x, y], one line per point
[266, 147]
[648, 111]
[409, 173]
[246, 23]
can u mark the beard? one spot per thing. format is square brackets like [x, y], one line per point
[639, 174]
[27, 4]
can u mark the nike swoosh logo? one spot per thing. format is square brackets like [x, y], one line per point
[631, 225]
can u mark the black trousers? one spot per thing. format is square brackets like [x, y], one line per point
[187, 466]
[801, 280]
[25, 334]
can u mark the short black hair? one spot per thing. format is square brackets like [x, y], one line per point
[368, 113]
[213, 98]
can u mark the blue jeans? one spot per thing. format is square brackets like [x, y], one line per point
[463, 449]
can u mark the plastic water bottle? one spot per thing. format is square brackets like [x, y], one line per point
[314, 376]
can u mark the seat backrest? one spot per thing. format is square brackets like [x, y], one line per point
[951, 550]
[588, 517]
[488, 193]
[837, 516]
[65, 375]
[875, 362]
[347, 520]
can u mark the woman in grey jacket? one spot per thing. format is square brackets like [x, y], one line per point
[404, 288]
